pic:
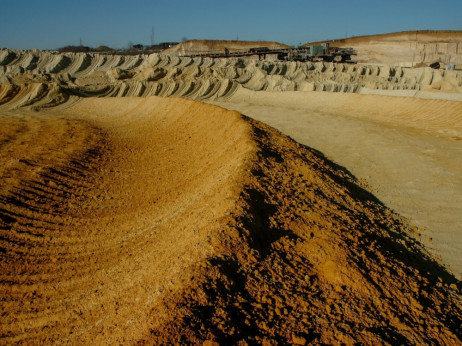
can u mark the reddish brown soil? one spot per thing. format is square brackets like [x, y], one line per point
[166, 221]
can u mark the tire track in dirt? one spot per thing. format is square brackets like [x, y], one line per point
[166, 220]
[100, 220]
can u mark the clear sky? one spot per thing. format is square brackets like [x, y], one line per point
[50, 24]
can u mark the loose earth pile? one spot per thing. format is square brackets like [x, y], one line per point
[166, 220]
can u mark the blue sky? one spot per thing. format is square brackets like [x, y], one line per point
[50, 24]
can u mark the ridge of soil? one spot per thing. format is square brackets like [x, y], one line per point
[164, 221]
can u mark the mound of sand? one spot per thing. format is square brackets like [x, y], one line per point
[105, 207]
[408, 48]
[167, 220]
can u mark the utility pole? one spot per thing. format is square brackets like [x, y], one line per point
[152, 37]
[81, 42]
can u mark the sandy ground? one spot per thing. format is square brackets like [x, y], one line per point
[408, 151]
[161, 221]
[103, 206]
[129, 218]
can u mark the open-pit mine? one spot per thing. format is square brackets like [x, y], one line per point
[163, 199]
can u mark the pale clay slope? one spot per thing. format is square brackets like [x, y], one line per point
[408, 48]
[409, 54]
[42, 79]
[43, 73]
[219, 46]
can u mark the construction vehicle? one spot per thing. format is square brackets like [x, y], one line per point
[324, 52]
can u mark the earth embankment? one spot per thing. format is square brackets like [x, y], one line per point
[219, 46]
[407, 48]
[85, 74]
[166, 220]
[407, 151]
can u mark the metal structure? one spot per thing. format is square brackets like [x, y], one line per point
[304, 53]
[319, 53]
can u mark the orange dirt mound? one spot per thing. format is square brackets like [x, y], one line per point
[101, 216]
[165, 220]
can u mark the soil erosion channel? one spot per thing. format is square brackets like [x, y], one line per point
[125, 220]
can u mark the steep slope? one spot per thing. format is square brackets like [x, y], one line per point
[408, 48]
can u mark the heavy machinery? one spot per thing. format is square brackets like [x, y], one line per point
[324, 52]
